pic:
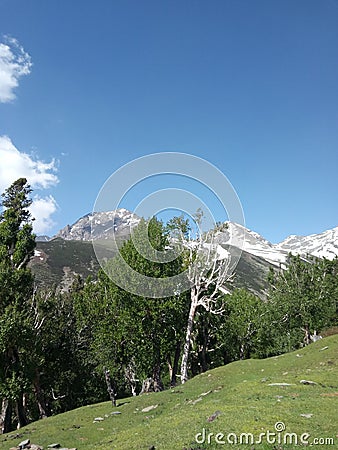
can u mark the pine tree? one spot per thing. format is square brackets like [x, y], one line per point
[17, 243]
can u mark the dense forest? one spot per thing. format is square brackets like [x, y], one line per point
[60, 350]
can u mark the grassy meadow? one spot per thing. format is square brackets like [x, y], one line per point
[250, 397]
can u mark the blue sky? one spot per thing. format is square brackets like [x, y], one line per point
[249, 85]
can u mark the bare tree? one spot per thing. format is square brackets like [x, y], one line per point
[111, 387]
[130, 375]
[209, 269]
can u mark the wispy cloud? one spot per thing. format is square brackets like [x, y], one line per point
[15, 164]
[14, 63]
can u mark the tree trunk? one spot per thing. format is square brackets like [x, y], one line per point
[154, 383]
[133, 389]
[173, 368]
[131, 377]
[204, 349]
[5, 416]
[110, 387]
[40, 399]
[158, 385]
[21, 413]
[176, 361]
[190, 324]
[242, 351]
[307, 333]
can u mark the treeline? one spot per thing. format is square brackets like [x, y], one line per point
[54, 347]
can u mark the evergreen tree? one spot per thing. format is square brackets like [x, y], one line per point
[17, 243]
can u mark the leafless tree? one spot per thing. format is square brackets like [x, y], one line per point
[209, 271]
[130, 375]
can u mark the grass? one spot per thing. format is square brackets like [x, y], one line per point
[240, 393]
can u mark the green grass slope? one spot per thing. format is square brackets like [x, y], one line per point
[237, 398]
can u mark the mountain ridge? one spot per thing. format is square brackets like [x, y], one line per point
[70, 253]
[105, 223]
[120, 222]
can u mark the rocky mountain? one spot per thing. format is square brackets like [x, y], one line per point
[42, 238]
[71, 252]
[323, 245]
[100, 226]
[254, 244]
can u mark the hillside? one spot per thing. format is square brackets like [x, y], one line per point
[251, 396]
[58, 261]
[70, 253]
[251, 273]
[103, 225]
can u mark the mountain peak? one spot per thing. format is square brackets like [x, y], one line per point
[323, 245]
[120, 222]
[100, 225]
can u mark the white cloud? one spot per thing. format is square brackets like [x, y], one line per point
[42, 209]
[40, 175]
[15, 164]
[14, 63]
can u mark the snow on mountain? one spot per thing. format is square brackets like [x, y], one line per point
[42, 238]
[100, 225]
[323, 245]
[254, 243]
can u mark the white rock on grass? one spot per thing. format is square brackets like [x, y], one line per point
[307, 382]
[205, 393]
[149, 408]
